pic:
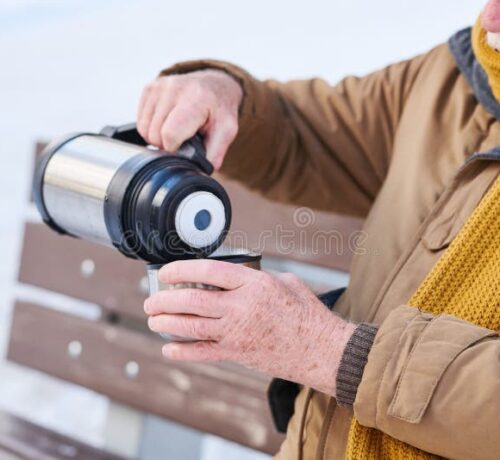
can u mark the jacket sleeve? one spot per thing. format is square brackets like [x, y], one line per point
[312, 144]
[434, 383]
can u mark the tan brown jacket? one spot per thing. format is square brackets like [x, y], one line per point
[399, 148]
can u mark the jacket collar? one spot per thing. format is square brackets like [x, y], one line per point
[461, 48]
[493, 154]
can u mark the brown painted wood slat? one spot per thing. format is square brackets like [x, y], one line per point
[54, 262]
[290, 232]
[20, 439]
[222, 399]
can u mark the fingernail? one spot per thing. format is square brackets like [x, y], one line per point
[147, 305]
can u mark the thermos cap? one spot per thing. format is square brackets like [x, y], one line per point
[200, 219]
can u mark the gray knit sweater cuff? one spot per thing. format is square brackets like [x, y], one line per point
[353, 363]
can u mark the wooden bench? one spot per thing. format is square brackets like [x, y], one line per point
[104, 344]
[22, 440]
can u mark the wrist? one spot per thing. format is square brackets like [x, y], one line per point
[330, 340]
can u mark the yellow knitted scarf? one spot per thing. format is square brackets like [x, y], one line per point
[488, 57]
[465, 282]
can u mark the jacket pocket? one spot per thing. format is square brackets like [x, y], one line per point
[439, 344]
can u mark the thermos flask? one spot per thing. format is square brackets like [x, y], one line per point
[110, 188]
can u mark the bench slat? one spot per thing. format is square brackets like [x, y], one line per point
[20, 439]
[62, 264]
[285, 231]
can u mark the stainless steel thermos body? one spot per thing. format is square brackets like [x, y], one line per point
[76, 181]
[112, 189]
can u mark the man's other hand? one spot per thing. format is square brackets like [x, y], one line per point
[174, 108]
[271, 323]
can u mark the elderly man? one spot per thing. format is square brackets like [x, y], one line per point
[407, 363]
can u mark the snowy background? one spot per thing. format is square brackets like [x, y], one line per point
[76, 65]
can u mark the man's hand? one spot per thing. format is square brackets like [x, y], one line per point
[174, 108]
[273, 324]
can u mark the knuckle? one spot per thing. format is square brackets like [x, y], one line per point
[203, 269]
[160, 81]
[153, 138]
[233, 129]
[208, 351]
[290, 278]
[171, 272]
[153, 133]
[207, 98]
[230, 126]
[168, 88]
[269, 278]
[196, 88]
[231, 123]
[163, 81]
[189, 327]
[276, 284]
[266, 280]
[201, 94]
[167, 135]
[182, 115]
[152, 88]
[208, 266]
[200, 329]
[165, 274]
[165, 84]
[149, 87]
[194, 297]
[146, 91]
